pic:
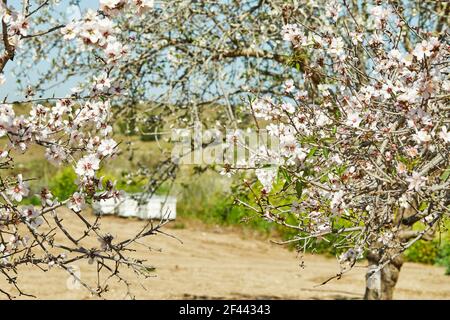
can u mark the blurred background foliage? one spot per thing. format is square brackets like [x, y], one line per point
[205, 195]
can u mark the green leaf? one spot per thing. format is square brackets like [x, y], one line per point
[286, 175]
[340, 170]
[403, 159]
[299, 185]
[311, 152]
[445, 174]
[423, 206]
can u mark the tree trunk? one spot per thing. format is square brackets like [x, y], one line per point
[380, 285]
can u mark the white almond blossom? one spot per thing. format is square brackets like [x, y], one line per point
[267, 176]
[87, 166]
[422, 136]
[416, 181]
[353, 119]
[19, 190]
[76, 202]
[107, 147]
[444, 134]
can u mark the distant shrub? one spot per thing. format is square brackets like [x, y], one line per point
[151, 136]
[443, 256]
[225, 212]
[423, 252]
[63, 183]
[129, 186]
[430, 252]
[207, 198]
[127, 128]
[34, 201]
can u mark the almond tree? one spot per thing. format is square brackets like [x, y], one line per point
[364, 142]
[74, 130]
[362, 117]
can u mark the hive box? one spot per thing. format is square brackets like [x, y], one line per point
[136, 205]
[129, 207]
[106, 206]
[159, 207]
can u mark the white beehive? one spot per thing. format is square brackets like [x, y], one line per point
[106, 206]
[139, 205]
[128, 207]
[159, 207]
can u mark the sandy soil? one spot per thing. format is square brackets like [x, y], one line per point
[225, 264]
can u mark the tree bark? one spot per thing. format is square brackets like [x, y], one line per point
[380, 285]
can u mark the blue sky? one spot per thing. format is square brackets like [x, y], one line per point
[10, 88]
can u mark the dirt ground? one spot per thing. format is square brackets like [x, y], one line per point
[226, 264]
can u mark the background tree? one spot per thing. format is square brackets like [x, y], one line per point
[364, 145]
[189, 61]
